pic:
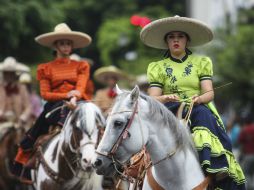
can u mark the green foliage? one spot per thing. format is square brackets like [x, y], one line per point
[234, 63]
[107, 22]
[118, 39]
[109, 38]
[20, 23]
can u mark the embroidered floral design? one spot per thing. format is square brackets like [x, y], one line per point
[174, 89]
[187, 70]
[169, 71]
[183, 96]
[173, 80]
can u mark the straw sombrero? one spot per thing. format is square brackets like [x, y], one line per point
[63, 32]
[11, 65]
[103, 73]
[153, 34]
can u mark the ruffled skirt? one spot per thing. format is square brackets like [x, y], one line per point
[214, 147]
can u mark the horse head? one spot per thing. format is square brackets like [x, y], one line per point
[124, 135]
[82, 131]
[138, 121]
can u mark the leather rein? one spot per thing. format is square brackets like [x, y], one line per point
[123, 135]
[56, 176]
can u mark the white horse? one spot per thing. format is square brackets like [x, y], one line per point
[65, 161]
[137, 121]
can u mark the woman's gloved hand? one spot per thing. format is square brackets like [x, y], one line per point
[72, 103]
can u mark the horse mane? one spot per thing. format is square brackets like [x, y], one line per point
[79, 117]
[82, 120]
[158, 110]
[179, 130]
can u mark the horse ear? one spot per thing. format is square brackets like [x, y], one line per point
[118, 90]
[135, 93]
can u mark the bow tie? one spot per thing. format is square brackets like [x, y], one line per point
[112, 93]
[11, 89]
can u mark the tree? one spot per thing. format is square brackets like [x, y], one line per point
[120, 45]
[234, 63]
[21, 22]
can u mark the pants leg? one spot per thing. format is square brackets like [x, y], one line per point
[40, 127]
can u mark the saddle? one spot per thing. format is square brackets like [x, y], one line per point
[43, 139]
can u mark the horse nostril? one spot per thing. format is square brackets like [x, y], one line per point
[97, 163]
[85, 160]
[89, 168]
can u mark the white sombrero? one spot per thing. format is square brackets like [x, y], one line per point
[25, 78]
[153, 34]
[103, 73]
[142, 79]
[11, 65]
[76, 57]
[63, 32]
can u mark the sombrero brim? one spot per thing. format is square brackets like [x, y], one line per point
[102, 74]
[79, 39]
[153, 34]
[17, 68]
[4, 69]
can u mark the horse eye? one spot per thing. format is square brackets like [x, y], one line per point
[118, 123]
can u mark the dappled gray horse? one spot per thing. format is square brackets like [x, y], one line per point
[137, 121]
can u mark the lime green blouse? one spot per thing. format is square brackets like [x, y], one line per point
[181, 78]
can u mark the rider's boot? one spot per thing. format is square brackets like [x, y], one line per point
[18, 169]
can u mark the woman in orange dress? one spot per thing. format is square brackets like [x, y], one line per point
[61, 81]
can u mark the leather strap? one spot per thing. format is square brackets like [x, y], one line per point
[50, 172]
[152, 182]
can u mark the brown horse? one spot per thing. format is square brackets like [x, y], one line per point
[10, 135]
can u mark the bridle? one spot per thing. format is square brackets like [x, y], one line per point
[122, 136]
[75, 148]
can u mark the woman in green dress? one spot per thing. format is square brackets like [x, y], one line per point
[184, 77]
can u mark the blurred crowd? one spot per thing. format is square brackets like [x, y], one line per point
[19, 101]
[240, 128]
